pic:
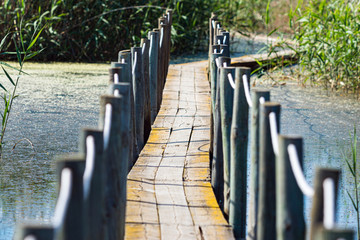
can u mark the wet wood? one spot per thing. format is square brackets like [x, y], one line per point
[169, 192]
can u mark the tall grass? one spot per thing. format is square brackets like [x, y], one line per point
[352, 164]
[93, 30]
[327, 33]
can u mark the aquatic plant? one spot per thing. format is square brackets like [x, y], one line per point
[352, 164]
[23, 50]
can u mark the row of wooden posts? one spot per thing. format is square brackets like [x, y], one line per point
[92, 190]
[276, 205]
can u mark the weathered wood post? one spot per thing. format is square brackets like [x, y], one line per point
[123, 89]
[226, 110]
[145, 44]
[226, 39]
[159, 77]
[212, 20]
[122, 70]
[317, 210]
[139, 94]
[266, 228]
[238, 155]
[38, 231]
[169, 13]
[333, 234]
[254, 166]
[73, 225]
[290, 222]
[94, 183]
[163, 47]
[216, 29]
[126, 63]
[217, 164]
[115, 120]
[153, 72]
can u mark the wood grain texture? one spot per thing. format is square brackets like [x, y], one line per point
[169, 192]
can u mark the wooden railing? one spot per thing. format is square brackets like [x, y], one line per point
[92, 183]
[277, 183]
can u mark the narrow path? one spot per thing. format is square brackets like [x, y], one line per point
[169, 195]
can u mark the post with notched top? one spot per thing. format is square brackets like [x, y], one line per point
[115, 122]
[139, 94]
[226, 110]
[217, 163]
[94, 182]
[73, 222]
[266, 228]
[238, 155]
[121, 70]
[257, 94]
[153, 72]
[38, 231]
[317, 209]
[290, 222]
[145, 44]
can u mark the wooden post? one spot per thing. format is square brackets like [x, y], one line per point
[217, 167]
[211, 32]
[153, 72]
[94, 200]
[254, 166]
[139, 94]
[159, 85]
[116, 147]
[334, 234]
[317, 210]
[123, 70]
[290, 222]
[145, 44]
[39, 231]
[266, 228]
[123, 89]
[238, 155]
[73, 225]
[163, 47]
[216, 31]
[227, 39]
[226, 108]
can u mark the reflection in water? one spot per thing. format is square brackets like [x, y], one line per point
[54, 103]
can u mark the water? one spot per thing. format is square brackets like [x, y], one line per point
[324, 120]
[54, 103]
[58, 99]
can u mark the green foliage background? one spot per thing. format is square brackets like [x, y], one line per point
[94, 30]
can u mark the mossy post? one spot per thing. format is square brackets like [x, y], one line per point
[113, 120]
[145, 44]
[211, 33]
[317, 209]
[254, 166]
[226, 111]
[38, 231]
[290, 222]
[217, 164]
[73, 225]
[153, 72]
[94, 197]
[139, 95]
[238, 155]
[266, 228]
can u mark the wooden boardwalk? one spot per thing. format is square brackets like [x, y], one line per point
[169, 195]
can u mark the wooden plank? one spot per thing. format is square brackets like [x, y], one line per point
[169, 193]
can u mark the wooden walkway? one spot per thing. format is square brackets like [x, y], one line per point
[169, 195]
